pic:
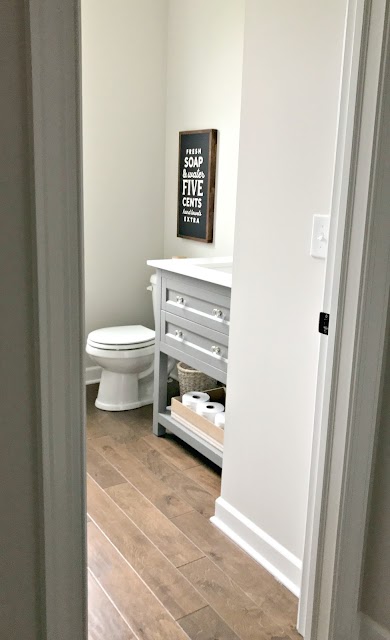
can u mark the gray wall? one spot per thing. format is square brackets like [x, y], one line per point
[18, 471]
[376, 581]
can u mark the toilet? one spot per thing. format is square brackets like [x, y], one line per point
[126, 356]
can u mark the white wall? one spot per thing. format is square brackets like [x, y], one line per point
[292, 65]
[124, 87]
[205, 47]
[150, 70]
[376, 583]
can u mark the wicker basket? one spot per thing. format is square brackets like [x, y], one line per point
[193, 380]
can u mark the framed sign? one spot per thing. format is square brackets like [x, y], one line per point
[196, 184]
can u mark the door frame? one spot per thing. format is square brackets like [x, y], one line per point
[334, 287]
[350, 365]
[350, 368]
[56, 192]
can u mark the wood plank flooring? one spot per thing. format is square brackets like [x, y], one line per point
[158, 569]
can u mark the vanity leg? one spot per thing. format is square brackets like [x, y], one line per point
[160, 390]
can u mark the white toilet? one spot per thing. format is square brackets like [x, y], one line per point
[126, 356]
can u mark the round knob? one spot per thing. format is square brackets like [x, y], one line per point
[179, 299]
[217, 313]
[178, 333]
[216, 350]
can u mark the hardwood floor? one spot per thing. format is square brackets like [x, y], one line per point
[158, 569]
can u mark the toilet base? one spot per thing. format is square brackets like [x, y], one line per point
[122, 392]
[123, 407]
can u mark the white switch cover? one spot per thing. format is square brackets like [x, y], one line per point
[320, 236]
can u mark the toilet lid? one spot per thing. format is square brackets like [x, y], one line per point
[124, 338]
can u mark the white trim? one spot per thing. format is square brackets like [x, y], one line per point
[57, 175]
[93, 375]
[277, 560]
[371, 630]
[360, 334]
[345, 164]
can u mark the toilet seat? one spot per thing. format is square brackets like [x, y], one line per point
[124, 338]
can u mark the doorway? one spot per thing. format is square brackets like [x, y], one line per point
[150, 499]
[69, 409]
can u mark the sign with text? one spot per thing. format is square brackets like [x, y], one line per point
[196, 185]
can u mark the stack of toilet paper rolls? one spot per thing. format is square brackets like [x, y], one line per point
[200, 402]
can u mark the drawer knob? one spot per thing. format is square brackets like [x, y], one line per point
[217, 313]
[216, 350]
[180, 300]
[178, 333]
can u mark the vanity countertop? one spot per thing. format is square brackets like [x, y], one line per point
[216, 270]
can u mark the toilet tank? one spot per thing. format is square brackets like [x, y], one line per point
[153, 287]
[172, 372]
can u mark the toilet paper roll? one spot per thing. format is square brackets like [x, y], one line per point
[219, 420]
[192, 398]
[209, 409]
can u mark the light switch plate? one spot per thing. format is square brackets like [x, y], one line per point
[320, 236]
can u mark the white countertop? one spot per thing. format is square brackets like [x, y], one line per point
[216, 270]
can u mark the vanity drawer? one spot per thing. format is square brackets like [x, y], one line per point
[202, 306]
[200, 342]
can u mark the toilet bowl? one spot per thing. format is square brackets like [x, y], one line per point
[126, 356]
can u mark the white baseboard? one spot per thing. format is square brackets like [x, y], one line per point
[370, 630]
[92, 375]
[280, 562]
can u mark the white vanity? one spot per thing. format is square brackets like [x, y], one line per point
[192, 325]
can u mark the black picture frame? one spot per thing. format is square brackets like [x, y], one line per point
[196, 184]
